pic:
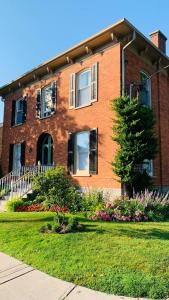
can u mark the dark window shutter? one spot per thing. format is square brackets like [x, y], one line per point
[71, 147]
[54, 95]
[24, 109]
[93, 154]
[38, 104]
[13, 113]
[23, 154]
[10, 157]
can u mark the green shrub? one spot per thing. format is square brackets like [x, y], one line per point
[39, 199]
[92, 201]
[56, 228]
[42, 229]
[62, 224]
[56, 188]
[13, 203]
[49, 226]
[61, 219]
[72, 223]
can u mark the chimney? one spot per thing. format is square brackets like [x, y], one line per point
[159, 40]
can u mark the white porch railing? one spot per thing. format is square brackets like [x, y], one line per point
[19, 182]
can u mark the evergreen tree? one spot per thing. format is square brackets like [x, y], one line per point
[134, 133]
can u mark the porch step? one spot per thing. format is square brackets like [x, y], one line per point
[2, 205]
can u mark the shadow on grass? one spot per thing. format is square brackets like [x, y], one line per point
[92, 228]
[27, 220]
[144, 234]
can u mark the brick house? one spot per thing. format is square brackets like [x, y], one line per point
[60, 112]
[1, 132]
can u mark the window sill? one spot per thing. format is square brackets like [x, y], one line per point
[46, 117]
[79, 107]
[81, 175]
[17, 125]
[83, 106]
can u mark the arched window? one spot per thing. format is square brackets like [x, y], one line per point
[45, 149]
[145, 94]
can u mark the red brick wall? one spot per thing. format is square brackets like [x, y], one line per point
[160, 106]
[97, 115]
[65, 120]
[1, 132]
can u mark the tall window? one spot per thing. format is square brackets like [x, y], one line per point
[145, 95]
[19, 108]
[46, 101]
[82, 152]
[16, 157]
[19, 112]
[83, 88]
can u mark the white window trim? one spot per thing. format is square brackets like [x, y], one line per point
[77, 90]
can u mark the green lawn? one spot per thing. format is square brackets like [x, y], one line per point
[125, 259]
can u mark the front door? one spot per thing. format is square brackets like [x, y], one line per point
[16, 157]
[47, 151]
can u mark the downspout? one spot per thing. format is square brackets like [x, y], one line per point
[159, 126]
[123, 85]
[123, 62]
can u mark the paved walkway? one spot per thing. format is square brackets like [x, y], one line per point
[19, 281]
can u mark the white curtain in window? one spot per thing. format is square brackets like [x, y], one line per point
[82, 151]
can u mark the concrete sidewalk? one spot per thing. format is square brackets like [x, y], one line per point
[19, 281]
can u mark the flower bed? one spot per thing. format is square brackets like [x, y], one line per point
[107, 215]
[147, 206]
[41, 207]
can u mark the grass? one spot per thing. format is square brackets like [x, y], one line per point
[124, 259]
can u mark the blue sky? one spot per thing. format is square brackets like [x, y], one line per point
[32, 31]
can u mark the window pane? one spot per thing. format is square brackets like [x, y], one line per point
[82, 151]
[84, 81]
[19, 112]
[17, 157]
[19, 117]
[46, 101]
[145, 97]
[148, 166]
[84, 96]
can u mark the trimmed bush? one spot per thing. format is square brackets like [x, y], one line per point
[56, 188]
[62, 224]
